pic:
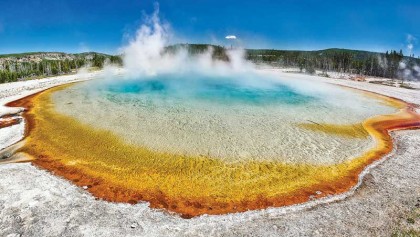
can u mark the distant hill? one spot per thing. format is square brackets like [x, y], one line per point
[391, 64]
[274, 55]
[219, 52]
[49, 55]
[21, 66]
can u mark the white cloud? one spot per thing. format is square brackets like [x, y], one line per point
[231, 37]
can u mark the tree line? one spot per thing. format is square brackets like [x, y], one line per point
[217, 52]
[390, 64]
[12, 69]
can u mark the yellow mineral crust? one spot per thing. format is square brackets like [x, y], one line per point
[115, 171]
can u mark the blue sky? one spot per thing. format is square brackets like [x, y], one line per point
[99, 25]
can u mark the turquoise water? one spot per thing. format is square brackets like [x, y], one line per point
[217, 90]
[235, 118]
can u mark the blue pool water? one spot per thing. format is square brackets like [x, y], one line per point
[234, 118]
[218, 90]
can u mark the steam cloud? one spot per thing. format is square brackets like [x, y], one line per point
[409, 70]
[145, 55]
[411, 40]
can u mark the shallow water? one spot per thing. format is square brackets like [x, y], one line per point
[149, 143]
[234, 118]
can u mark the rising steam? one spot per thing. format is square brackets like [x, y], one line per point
[146, 54]
[411, 40]
[408, 68]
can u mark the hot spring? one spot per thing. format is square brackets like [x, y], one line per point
[205, 132]
[226, 118]
[197, 143]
